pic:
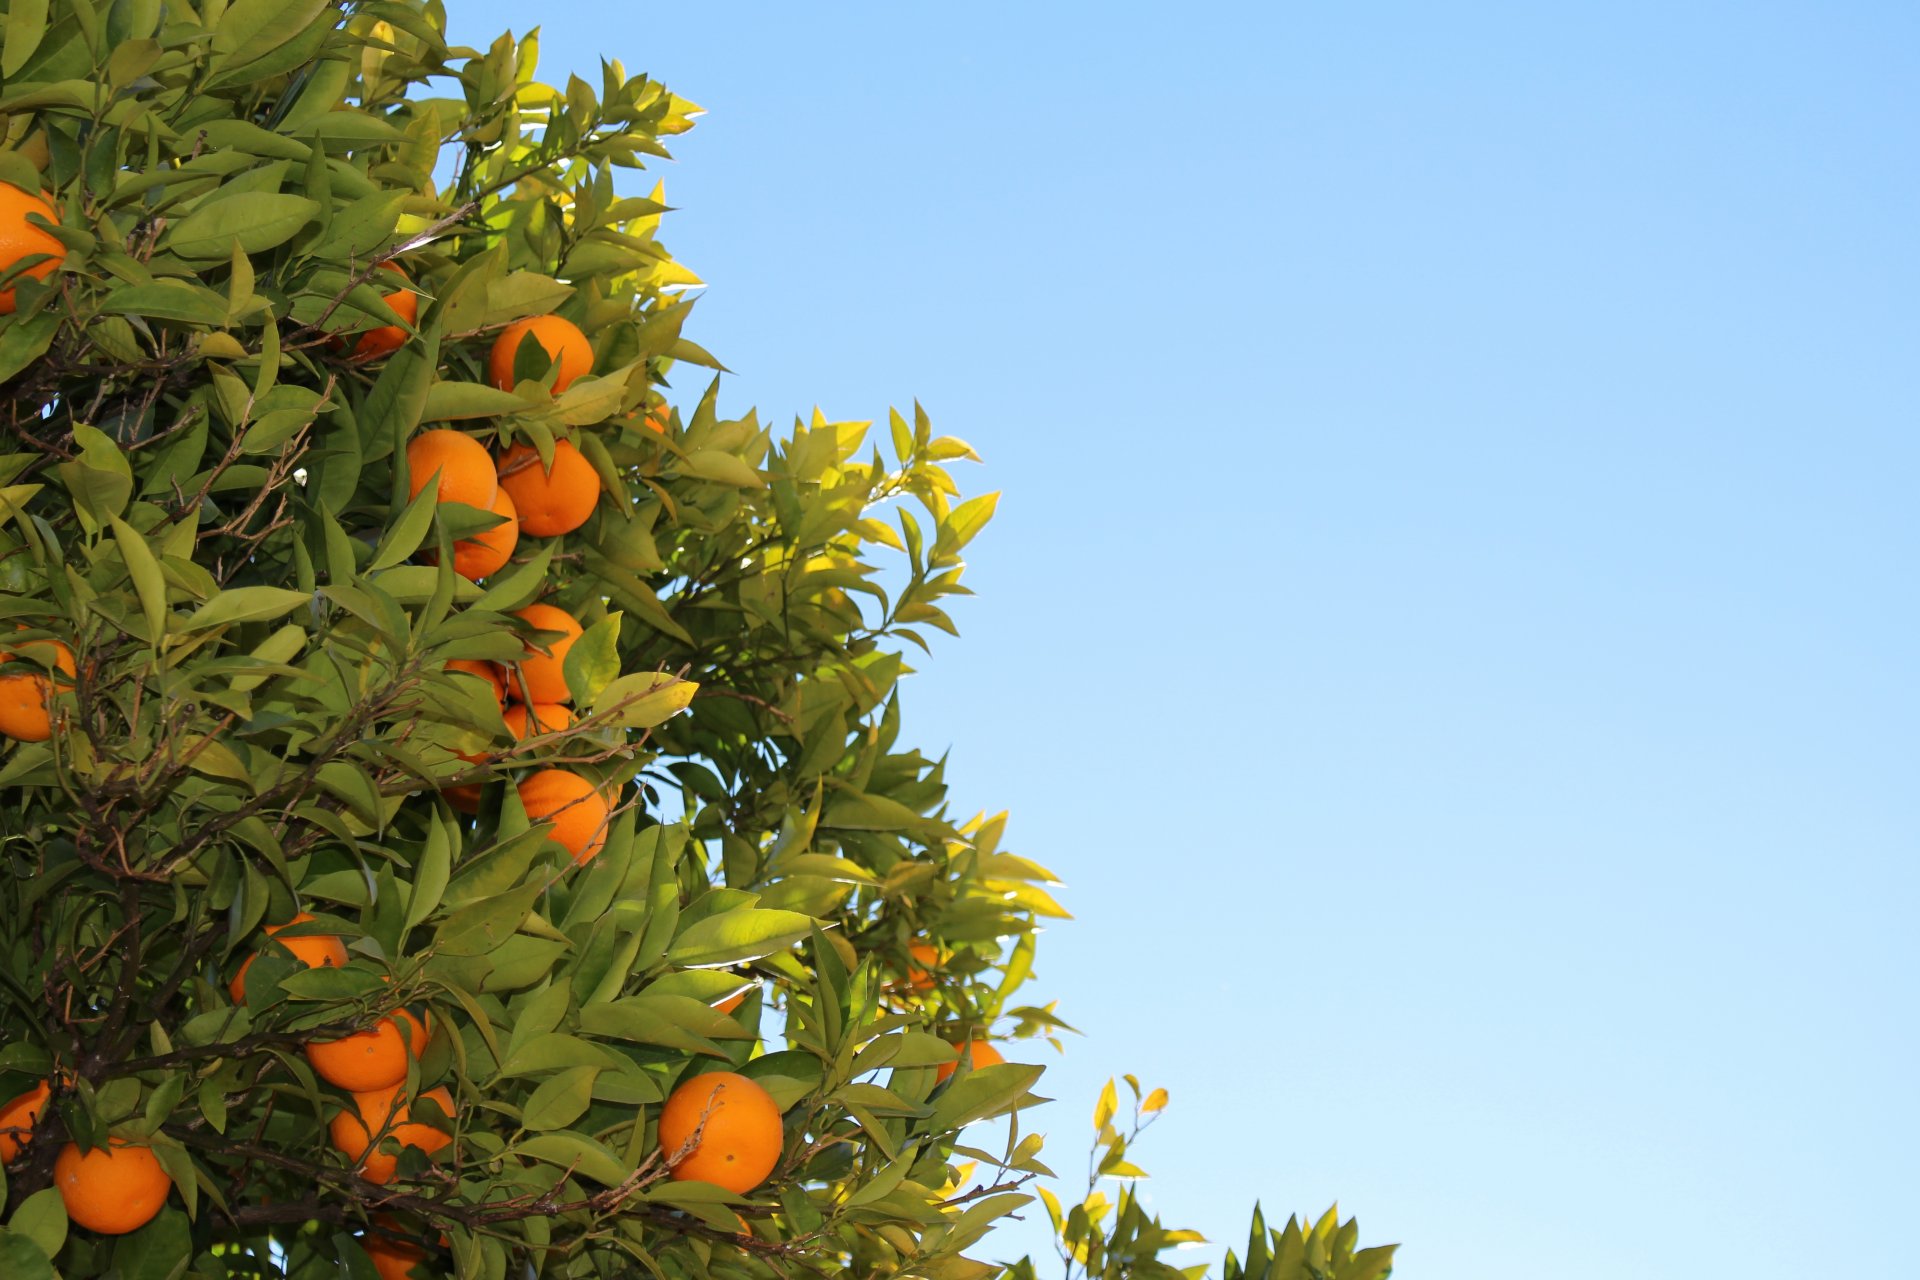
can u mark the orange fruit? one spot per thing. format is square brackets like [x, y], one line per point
[484, 671]
[542, 676]
[26, 711]
[920, 974]
[578, 810]
[391, 337]
[552, 500]
[485, 552]
[353, 1129]
[732, 1002]
[18, 1117]
[393, 1259]
[978, 1053]
[657, 417]
[112, 1189]
[565, 345]
[321, 951]
[548, 717]
[371, 1059]
[462, 463]
[727, 1126]
[21, 239]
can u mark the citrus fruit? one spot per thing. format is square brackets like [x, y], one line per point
[486, 672]
[732, 1002]
[543, 676]
[389, 338]
[547, 717]
[657, 417]
[578, 810]
[485, 552]
[321, 951]
[26, 712]
[112, 1189]
[20, 239]
[553, 499]
[926, 958]
[353, 1129]
[721, 1128]
[18, 1117]
[562, 340]
[393, 1259]
[372, 1059]
[462, 463]
[978, 1053]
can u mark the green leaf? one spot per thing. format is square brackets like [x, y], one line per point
[22, 1259]
[721, 468]
[148, 582]
[404, 536]
[561, 1100]
[583, 1155]
[981, 1093]
[246, 604]
[256, 220]
[26, 26]
[42, 1218]
[593, 660]
[430, 873]
[745, 933]
[451, 401]
[478, 928]
[644, 700]
[168, 300]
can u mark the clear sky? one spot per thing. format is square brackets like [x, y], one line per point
[1452, 618]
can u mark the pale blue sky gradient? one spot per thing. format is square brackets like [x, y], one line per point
[1452, 618]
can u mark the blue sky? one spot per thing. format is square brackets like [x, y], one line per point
[1495, 423]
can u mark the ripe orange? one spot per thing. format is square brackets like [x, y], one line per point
[26, 711]
[578, 809]
[391, 337]
[18, 1117]
[462, 463]
[393, 1259]
[483, 671]
[353, 1130]
[565, 345]
[548, 717]
[485, 552]
[542, 675]
[112, 1189]
[371, 1059]
[729, 1128]
[322, 951]
[920, 974]
[21, 239]
[733, 1001]
[978, 1053]
[657, 417]
[552, 500]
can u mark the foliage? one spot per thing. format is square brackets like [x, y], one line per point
[206, 497]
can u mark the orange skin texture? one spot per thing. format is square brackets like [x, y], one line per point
[463, 464]
[551, 500]
[389, 338]
[322, 951]
[486, 552]
[578, 810]
[21, 239]
[26, 711]
[393, 1259]
[373, 1059]
[739, 1141]
[548, 717]
[920, 975]
[565, 345]
[113, 1189]
[978, 1052]
[353, 1130]
[21, 1114]
[542, 676]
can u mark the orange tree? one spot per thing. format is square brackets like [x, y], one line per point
[453, 813]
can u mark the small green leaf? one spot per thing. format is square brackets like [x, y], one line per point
[148, 582]
[246, 604]
[745, 933]
[257, 220]
[644, 700]
[593, 660]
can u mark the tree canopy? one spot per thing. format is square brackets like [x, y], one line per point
[455, 791]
